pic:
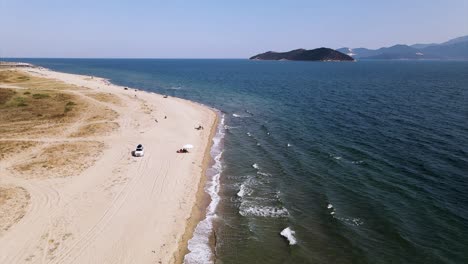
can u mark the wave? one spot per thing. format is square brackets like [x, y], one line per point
[288, 233]
[263, 211]
[198, 245]
[263, 173]
[259, 172]
[246, 186]
[356, 162]
[226, 127]
[244, 190]
[240, 116]
[174, 88]
[351, 221]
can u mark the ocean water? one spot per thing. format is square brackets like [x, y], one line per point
[363, 162]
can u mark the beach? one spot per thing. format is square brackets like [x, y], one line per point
[71, 191]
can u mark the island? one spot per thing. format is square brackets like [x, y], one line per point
[320, 54]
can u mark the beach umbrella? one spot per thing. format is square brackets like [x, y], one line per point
[188, 146]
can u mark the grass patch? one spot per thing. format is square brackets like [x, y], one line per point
[69, 106]
[20, 101]
[12, 76]
[61, 160]
[26, 93]
[9, 147]
[106, 98]
[6, 95]
[97, 129]
[40, 96]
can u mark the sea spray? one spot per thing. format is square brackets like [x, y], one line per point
[198, 245]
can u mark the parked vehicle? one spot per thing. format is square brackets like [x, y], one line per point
[139, 152]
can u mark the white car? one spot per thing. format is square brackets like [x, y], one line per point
[139, 152]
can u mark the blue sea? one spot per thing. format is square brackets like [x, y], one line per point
[363, 162]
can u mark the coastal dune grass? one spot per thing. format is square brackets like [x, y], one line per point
[48, 129]
[13, 203]
[33, 108]
[106, 98]
[23, 80]
[61, 160]
[96, 129]
[22, 112]
[13, 76]
[9, 147]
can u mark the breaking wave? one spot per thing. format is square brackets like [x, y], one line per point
[288, 233]
[198, 245]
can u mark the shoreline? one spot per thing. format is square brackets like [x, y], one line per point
[201, 203]
[199, 199]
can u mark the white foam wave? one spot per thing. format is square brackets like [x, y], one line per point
[198, 245]
[239, 115]
[263, 211]
[263, 173]
[248, 134]
[229, 127]
[288, 233]
[246, 187]
[289, 145]
[335, 156]
[244, 190]
[259, 172]
[351, 221]
[329, 206]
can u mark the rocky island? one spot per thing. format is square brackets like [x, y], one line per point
[320, 54]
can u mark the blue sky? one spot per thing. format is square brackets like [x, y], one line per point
[218, 29]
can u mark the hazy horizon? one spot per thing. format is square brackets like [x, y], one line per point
[209, 29]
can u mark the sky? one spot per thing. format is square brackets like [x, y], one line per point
[219, 29]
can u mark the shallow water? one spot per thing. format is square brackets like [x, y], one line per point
[365, 162]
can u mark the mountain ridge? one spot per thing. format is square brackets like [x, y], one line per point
[454, 49]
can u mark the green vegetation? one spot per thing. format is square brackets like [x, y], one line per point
[69, 106]
[19, 101]
[6, 95]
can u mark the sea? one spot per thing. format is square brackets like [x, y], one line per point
[322, 162]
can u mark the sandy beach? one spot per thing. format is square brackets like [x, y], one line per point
[70, 189]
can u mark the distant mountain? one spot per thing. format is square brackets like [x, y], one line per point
[456, 40]
[422, 46]
[455, 49]
[320, 54]
[358, 52]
